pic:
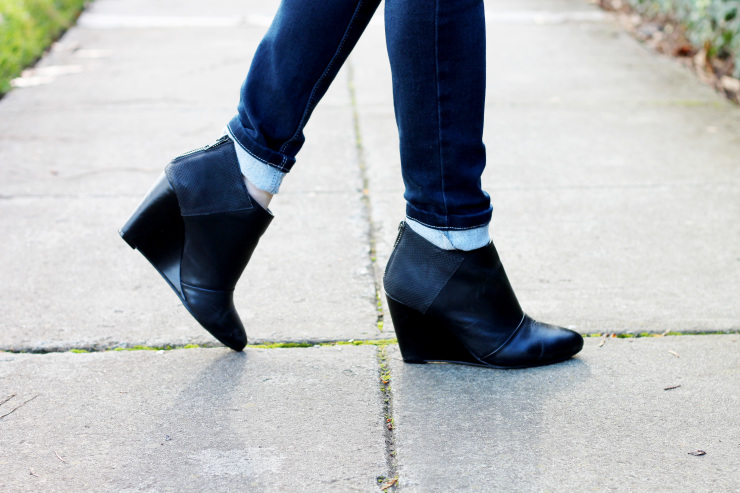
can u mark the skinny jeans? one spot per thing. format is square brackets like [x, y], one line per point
[437, 56]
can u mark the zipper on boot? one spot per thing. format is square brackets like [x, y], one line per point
[217, 143]
[401, 227]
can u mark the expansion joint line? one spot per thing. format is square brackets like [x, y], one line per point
[92, 348]
[372, 229]
[389, 482]
[305, 343]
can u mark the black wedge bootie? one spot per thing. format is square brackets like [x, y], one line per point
[198, 227]
[456, 306]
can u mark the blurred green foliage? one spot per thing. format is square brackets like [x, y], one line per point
[714, 24]
[27, 27]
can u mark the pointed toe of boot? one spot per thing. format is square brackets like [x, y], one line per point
[215, 311]
[535, 344]
[570, 343]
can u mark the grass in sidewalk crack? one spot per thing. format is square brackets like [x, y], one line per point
[372, 240]
[389, 481]
[268, 345]
[361, 342]
[307, 344]
[639, 335]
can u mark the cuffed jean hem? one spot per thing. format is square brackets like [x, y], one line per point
[456, 239]
[449, 222]
[281, 162]
[261, 175]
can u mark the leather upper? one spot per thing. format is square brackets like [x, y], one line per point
[469, 294]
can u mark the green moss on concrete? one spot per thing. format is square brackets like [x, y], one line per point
[629, 335]
[141, 348]
[362, 342]
[380, 343]
[274, 345]
[385, 369]
[279, 345]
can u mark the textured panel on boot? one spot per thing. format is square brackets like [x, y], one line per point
[209, 180]
[418, 270]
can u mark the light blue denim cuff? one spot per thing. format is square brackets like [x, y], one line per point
[453, 239]
[261, 175]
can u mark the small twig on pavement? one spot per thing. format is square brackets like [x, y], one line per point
[389, 484]
[674, 353]
[7, 398]
[20, 406]
[33, 473]
[55, 453]
[697, 452]
[671, 388]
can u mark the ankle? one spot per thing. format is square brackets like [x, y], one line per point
[260, 196]
[465, 240]
[263, 179]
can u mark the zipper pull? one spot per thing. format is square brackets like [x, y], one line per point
[219, 141]
[401, 227]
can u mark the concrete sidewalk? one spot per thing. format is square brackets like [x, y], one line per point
[615, 178]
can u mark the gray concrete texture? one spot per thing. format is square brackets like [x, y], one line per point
[192, 420]
[614, 178]
[599, 422]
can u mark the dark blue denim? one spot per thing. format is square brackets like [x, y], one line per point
[437, 56]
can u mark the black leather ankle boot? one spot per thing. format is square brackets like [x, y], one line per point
[457, 306]
[198, 227]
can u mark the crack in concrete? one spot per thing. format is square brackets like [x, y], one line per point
[102, 348]
[305, 343]
[390, 481]
[377, 274]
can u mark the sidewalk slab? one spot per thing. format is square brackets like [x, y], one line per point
[613, 173]
[79, 153]
[600, 421]
[656, 264]
[193, 420]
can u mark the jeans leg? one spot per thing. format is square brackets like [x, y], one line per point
[437, 54]
[292, 68]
